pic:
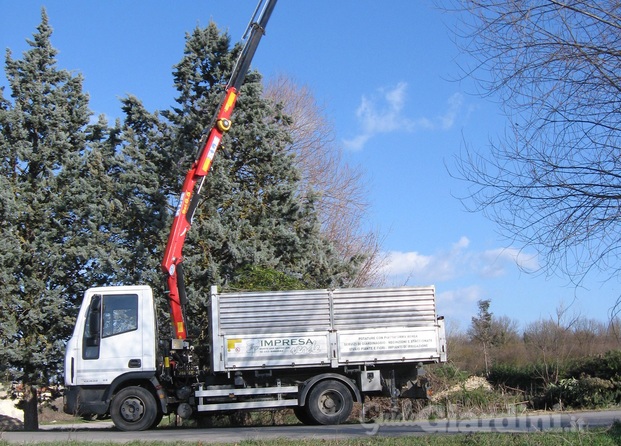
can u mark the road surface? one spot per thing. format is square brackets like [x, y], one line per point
[105, 432]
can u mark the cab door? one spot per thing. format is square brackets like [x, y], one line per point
[116, 336]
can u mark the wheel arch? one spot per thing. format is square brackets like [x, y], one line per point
[142, 379]
[310, 383]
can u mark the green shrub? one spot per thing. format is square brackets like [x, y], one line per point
[586, 392]
[473, 399]
[606, 366]
[479, 401]
[591, 382]
[524, 377]
[447, 374]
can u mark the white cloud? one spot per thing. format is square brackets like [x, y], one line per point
[469, 294]
[494, 261]
[456, 305]
[457, 262]
[383, 113]
[463, 243]
[462, 274]
[400, 263]
[455, 103]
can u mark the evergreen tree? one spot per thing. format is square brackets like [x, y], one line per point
[251, 213]
[84, 204]
[50, 209]
[481, 330]
[141, 172]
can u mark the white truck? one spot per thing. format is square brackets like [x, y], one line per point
[316, 351]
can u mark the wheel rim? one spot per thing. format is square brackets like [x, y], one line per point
[331, 402]
[132, 409]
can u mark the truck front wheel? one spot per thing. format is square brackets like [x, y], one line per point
[133, 409]
[329, 402]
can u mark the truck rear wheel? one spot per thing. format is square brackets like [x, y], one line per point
[329, 402]
[134, 409]
[302, 415]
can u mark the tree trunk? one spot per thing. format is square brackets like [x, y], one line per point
[30, 408]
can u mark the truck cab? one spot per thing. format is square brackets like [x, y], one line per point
[113, 344]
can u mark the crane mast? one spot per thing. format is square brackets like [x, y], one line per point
[195, 177]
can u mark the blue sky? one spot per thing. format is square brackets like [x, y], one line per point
[385, 73]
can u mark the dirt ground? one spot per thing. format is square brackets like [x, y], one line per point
[50, 412]
[11, 418]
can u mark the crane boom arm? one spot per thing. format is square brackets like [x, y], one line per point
[195, 177]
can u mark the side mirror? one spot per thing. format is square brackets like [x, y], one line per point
[92, 329]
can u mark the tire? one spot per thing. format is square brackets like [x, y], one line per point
[302, 415]
[158, 419]
[134, 409]
[329, 402]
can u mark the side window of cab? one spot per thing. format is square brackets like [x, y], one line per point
[120, 314]
[108, 315]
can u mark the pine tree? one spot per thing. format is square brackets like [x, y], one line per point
[142, 170]
[48, 214]
[251, 214]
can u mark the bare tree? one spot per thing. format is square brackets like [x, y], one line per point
[591, 337]
[341, 191]
[551, 343]
[553, 181]
[504, 331]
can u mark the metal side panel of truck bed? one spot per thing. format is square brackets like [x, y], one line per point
[330, 328]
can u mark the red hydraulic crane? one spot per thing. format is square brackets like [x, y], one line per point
[194, 179]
